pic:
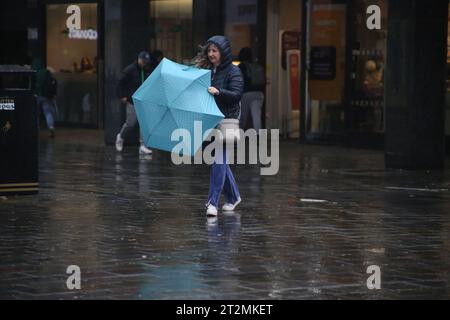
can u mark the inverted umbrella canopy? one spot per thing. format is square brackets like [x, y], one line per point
[173, 97]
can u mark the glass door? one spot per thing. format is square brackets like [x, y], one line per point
[326, 68]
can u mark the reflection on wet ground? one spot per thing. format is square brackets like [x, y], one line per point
[136, 227]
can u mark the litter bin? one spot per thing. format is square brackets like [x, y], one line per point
[18, 132]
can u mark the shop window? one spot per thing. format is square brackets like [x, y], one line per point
[325, 110]
[345, 95]
[368, 60]
[72, 56]
[171, 22]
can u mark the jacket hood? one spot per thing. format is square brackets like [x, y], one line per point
[225, 49]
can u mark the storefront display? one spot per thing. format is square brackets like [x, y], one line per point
[72, 57]
[345, 70]
[367, 83]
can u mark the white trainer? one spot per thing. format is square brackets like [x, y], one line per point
[231, 206]
[119, 143]
[144, 150]
[211, 210]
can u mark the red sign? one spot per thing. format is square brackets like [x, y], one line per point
[294, 80]
[290, 40]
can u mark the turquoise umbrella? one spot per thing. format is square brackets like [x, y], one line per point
[173, 97]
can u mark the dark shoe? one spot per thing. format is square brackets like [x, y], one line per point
[52, 133]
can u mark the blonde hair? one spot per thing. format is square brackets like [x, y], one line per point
[202, 60]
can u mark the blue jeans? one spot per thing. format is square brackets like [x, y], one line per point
[222, 179]
[49, 110]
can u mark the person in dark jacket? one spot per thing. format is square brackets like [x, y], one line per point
[253, 97]
[132, 78]
[46, 91]
[157, 56]
[226, 86]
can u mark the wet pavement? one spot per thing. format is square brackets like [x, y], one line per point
[136, 227]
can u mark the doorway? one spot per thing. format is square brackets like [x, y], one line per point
[283, 66]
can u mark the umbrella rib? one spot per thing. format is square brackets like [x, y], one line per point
[182, 91]
[181, 94]
[151, 132]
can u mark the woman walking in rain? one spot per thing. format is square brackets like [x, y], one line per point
[227, 86]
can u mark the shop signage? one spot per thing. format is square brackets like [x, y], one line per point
[241, 11]
[7, 104]
[327, 54]
[294, 78]
[323, 63]
[73, 24]
[89, 34]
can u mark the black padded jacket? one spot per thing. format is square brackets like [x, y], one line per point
[130, 80]
[227, 79]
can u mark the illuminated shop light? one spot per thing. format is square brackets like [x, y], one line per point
[89, 34]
